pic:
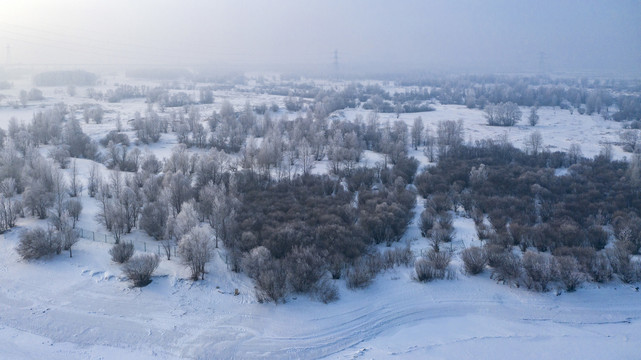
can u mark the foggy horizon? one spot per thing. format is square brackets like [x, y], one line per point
[467, 36]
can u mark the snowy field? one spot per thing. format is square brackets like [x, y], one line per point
[83, 308]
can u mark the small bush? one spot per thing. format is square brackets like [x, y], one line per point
[494, 254]
[36, 243]
[444, 221]
[140, 268]
[569, 273]
[433, 267]
[440, 236]
[440, 259]
[336, 265]
[508, 267]
[115, 137]
[304, 268]
[601, 270]
[397, 257]
[631, 273]
[122, 252]
[540, 270]
[427, 221]
[425, 270]
[360, 275]
[257, 260]
[272, 283]
[474, 260]
[483, 231]
[326, 291]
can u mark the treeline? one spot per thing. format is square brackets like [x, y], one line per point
[619, 100]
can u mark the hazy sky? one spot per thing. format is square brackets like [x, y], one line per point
[483, 35]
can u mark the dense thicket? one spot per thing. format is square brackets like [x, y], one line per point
[526, 203]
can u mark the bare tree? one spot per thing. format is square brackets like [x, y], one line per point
[73, 208]
[534, 143]
[75, 187]
[417, 132]
[533, 118]
[59, 187]
[69, 238]
[93, 181]
[449, 136]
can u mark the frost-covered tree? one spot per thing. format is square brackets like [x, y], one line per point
[449, 136]
[153, 219]
[417, 132]
[73, 208]
[186, 220]
[533, 118]
[503, 114]
[534, 143]
[178, 187]
[196, 249]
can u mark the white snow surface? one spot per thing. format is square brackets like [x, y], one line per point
[82, 307]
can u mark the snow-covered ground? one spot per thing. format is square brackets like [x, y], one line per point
[82, 308]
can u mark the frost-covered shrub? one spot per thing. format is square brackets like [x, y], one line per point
[140, 268]
[540, 270]
[569, 272]
[433, 267]
[256, 261]
[271, 282]
[494, 254]
[508, 267]
[474, 260]
[326, 291]
[397, 257]
[60, 154]
[601, 270]
[440, 260]
[631, 273]
[482, 231]
[305, 267]
[361, 274]
[425, 270]
[121, 252]
[439, 236]
[427, 221]
[115, 137]
[38, 242]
